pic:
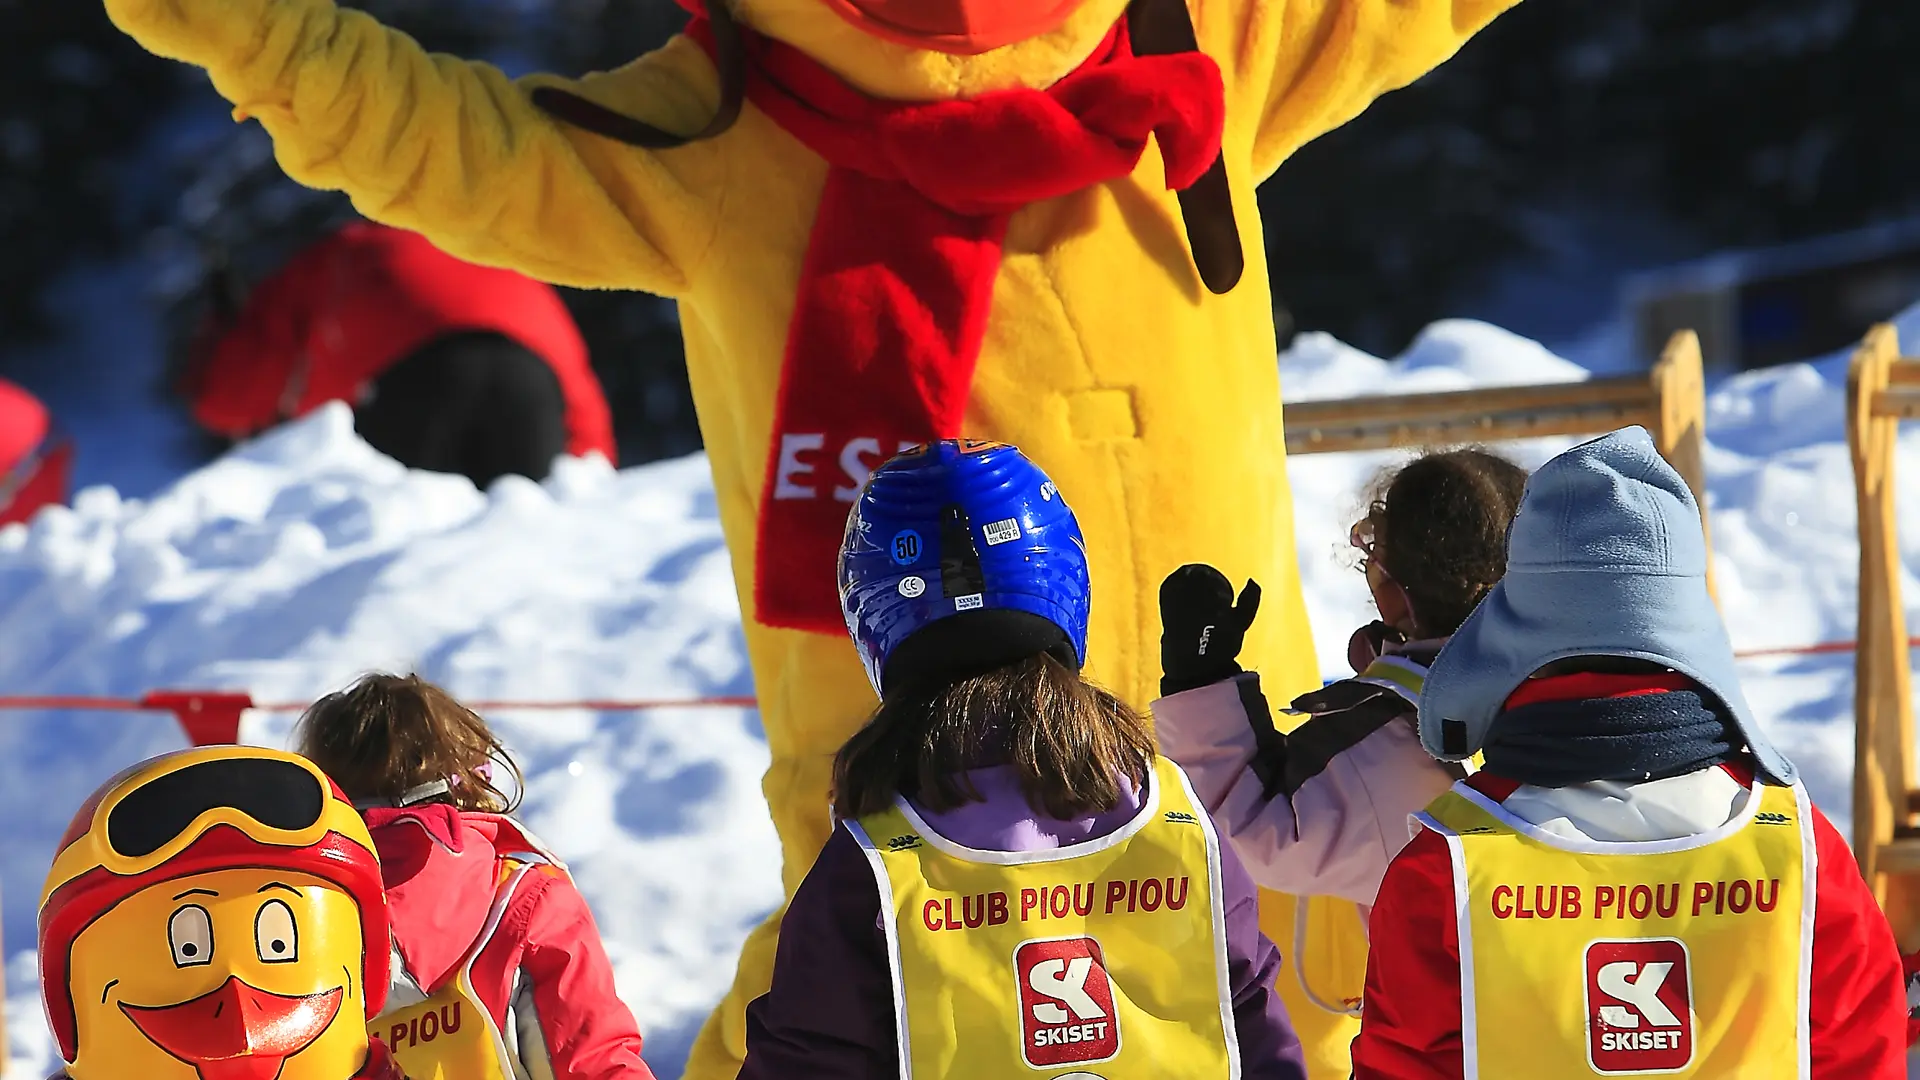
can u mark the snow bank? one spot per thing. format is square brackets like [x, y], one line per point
[1780, 502]
[306, 558]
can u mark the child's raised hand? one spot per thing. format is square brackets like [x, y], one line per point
[1202, 627]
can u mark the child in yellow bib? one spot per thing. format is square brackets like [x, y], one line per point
[1020, 885]
[1102, 942]
[1635, 882]
[498, 970]
[1693, 955]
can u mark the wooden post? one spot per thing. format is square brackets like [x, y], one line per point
[1680, 409]
[1883, 692]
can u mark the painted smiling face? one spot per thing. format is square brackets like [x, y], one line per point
[233, 975]
[207, 918]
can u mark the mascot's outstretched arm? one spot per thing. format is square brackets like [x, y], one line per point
[1297, 69]
[455, 149]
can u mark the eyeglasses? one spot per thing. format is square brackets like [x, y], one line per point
[1365, 538]
[1360, 536]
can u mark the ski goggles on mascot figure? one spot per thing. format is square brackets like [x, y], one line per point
[216, 914]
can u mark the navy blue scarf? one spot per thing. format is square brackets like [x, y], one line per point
[1629, 739]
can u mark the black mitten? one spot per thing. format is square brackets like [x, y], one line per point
[1202, 627]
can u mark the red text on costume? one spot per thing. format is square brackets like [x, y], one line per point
[810, 469]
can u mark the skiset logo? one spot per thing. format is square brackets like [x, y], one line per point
[1066, 1003]
[1639, 996]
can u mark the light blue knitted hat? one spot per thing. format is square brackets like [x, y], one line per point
[1605, 558]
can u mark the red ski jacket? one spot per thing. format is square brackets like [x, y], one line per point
[34, 461]
[346, 309]
[1411, 1030]
[544, 974]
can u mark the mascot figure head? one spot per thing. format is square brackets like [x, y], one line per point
[215, 914]
[929, 50]
[940, 50]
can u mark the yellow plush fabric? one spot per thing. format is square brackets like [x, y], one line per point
[1154, 405]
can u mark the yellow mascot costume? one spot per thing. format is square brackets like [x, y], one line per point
[888, 221]
[216, 914]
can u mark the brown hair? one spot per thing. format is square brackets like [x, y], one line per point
[387, 735]
[1441, 525]
[1069, 740]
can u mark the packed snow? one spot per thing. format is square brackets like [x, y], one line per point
[305, 558]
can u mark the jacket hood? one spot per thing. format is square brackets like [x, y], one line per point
[440, 865]
[1606, 557]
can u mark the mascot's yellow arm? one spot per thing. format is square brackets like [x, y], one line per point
[1297, 69]
[454, 149]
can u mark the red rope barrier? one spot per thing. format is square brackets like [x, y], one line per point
[113, 704]
[597, 705]
[1821, 649]
[213, 716]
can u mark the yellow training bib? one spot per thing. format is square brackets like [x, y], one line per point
[450, 1035]
[1101, 959]
[1687, 957]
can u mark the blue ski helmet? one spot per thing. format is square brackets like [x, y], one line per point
[959, 557]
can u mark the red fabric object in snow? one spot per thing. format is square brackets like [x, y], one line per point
[898, 277]
[34, 462]
[351, 306]
[1413, 1017]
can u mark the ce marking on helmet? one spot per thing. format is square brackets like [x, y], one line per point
[912, 587]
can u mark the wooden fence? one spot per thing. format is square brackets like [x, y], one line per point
[1882, 390]
[1669, 401]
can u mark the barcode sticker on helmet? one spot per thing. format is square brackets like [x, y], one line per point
[1000, 532]
[973, 602]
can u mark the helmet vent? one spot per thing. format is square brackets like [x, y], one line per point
[960, 572]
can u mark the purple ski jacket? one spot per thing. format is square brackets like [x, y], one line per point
[830, 1011]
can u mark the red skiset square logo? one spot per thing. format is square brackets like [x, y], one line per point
[1066, 1003]
[1639, 1006]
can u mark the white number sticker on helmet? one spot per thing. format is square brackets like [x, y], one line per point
[1001, 532]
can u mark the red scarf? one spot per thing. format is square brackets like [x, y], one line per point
[898, 277]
